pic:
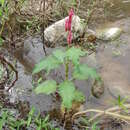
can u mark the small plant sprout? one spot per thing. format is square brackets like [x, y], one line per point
[71, 55]
[120, 102]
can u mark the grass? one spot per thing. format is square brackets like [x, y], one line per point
[9, 120]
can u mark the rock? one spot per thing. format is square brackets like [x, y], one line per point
[32, 52]
[91, 60]
[117, 89]
[97, 89]
[55, 33]
[105, 34]
[115, 74]
[108, 34]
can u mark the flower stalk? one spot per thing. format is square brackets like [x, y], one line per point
[68, 26]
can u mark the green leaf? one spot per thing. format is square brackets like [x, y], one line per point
[60, 55]
[47, 87]
[2, 2]
[83, 72]
[1, 41]
[121, 102]
[47, 64]
[94, 126]
[66, 91]
[1, 13]
[30, 115]
[3, 120]
[79, 96]
[74, 54]
[46, 119]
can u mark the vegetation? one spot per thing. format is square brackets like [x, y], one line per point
[33, 121]
[66, 89]
[3, 17]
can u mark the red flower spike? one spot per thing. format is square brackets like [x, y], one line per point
[69, 38]
[71, 13]
[66, 24]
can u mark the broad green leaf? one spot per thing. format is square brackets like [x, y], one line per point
[79, 96]
[47, 64]
[60, 55]
[74, 54]
[47, 87]
[66, 91]
[83, 72]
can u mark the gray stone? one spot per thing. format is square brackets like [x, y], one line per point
[118, 89]
[56, 32]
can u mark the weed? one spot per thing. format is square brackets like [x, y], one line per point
[93, 126]
[66, 89]
[33, 121]
[120, 102]
[3, 17]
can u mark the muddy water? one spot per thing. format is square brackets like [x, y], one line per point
[115, 67]
[112, 62]
[116, 9]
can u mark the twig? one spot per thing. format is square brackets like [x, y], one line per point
[12, 67]
[43, 27]
[109, 112]
[113, 109]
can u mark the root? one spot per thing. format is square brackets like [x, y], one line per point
[3, 60]
[110, 112]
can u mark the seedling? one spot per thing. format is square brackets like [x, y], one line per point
[120, 102]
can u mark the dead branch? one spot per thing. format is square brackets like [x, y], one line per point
[110, 112]
[12, 67]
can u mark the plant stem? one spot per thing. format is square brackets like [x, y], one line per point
[2, 28]
[67, 65]
[67, 69]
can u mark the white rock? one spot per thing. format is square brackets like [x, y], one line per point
[56, 32]
[108, 33]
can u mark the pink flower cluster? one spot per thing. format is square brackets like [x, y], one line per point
[68, 23]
